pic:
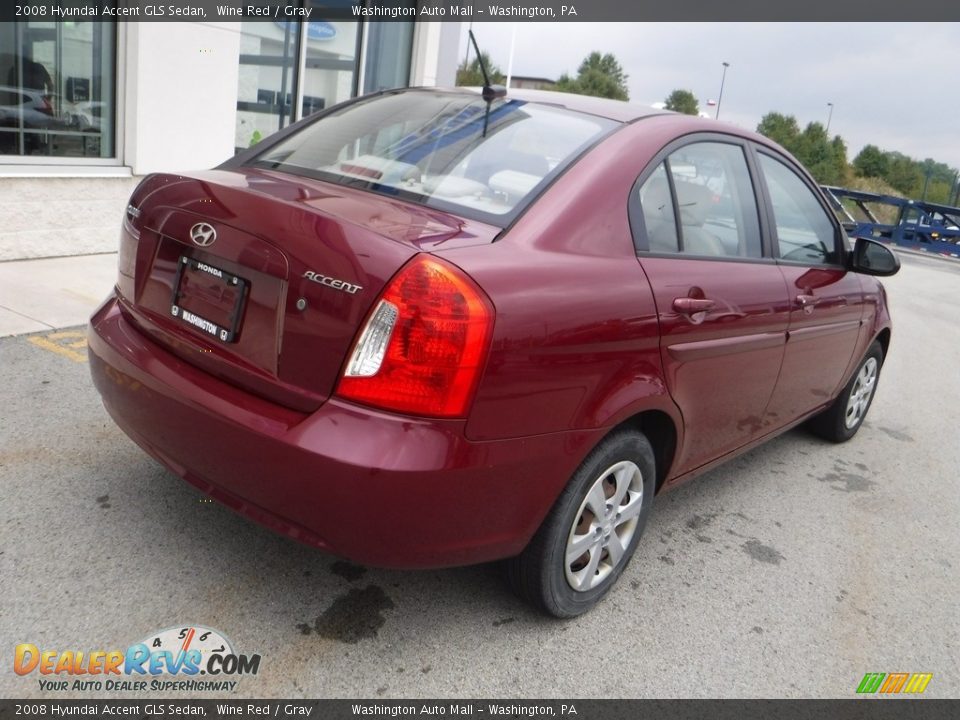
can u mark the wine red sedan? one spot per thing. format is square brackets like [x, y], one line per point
[430, 328]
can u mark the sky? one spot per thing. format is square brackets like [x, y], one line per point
[894, 85]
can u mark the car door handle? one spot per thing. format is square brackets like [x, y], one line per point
[689, 305]
[807, 301]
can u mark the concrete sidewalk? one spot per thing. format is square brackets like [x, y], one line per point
[38, 295]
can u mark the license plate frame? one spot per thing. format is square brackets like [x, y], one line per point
[224, 333]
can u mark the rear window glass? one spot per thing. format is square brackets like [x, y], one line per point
[443, 150]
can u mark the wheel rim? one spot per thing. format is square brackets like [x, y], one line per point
[861, 392]
[604, 526]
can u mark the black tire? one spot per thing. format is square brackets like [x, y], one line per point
[836, 422]
[540, 573]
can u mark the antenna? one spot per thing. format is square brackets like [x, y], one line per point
[489, 91]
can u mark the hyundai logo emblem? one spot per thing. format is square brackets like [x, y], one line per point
[203, 234]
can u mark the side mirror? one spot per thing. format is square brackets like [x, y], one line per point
[872, 258]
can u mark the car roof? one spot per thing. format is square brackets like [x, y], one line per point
[617, 110]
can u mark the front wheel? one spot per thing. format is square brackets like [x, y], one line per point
[840, 422]
[591, 532]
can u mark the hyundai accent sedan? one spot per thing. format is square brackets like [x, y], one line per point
[434, 327]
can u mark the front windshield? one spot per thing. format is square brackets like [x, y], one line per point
[444, 150]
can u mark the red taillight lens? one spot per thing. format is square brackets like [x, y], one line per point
[422, 349]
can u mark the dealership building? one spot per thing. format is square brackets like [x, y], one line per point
[86, 108]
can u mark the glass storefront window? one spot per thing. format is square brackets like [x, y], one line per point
[57, 89]
[388, 55]
[330, 66]
[270, 62]
[269, 55]
[317, 61]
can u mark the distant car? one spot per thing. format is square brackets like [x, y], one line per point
[423, 329]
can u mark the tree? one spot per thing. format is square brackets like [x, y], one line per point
[826, 159]
[871, 162]
[598, 75]
[682, 101]
[605, 65]
[469, 74]
[841, 167]
[904, 174]
[781, 129]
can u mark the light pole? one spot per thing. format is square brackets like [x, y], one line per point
[829, 118]
[722, 81]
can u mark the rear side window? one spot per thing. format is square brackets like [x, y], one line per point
[445, 150]
[804, 230]
[714, 202]
[658, 216]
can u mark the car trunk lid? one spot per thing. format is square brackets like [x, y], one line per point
[264, 279]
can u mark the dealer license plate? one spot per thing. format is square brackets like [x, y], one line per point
[208, 298]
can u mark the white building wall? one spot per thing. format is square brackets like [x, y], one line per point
[434, 61]
[181, 95]
[51, 216]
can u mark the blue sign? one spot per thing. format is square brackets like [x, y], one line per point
[315, 30]
[321, 31]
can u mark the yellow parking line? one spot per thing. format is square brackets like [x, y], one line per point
[67, 350]
[67, 335]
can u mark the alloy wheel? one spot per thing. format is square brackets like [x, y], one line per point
[604, 526]
[861, 392]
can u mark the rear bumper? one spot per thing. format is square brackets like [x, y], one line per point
[376, 488]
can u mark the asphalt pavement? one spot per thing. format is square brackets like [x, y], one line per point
[789, 572]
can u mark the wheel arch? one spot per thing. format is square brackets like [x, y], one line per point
[662, 432]
[883, 337]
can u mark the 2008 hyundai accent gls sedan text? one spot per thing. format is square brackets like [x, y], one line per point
[432, 328]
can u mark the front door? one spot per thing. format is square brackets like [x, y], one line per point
[826, 300]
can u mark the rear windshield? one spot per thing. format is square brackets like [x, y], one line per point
[444, 150]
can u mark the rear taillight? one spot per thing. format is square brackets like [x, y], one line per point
[422, 348]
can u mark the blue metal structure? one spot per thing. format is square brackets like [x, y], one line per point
[920, 225]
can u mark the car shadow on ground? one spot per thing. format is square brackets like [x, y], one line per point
[335, 599]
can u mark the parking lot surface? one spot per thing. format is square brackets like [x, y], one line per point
[790, 571]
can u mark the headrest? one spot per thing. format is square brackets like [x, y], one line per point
[694, 201]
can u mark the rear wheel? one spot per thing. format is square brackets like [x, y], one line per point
[840, 422]
[592, 530]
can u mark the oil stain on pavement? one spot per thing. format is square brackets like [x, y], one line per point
[842, 480]
[354, 616]
[762, 553]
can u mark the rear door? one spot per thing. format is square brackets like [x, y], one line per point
[721, 300]
[826, 300]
